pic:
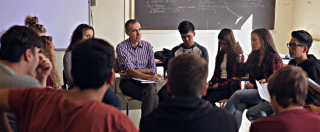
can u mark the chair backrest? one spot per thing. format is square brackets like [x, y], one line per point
[65, 81]
[116, 67]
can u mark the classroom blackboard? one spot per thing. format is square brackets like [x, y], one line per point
[204, 14]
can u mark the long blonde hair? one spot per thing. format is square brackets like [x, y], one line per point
[32, 22]
[46, 47]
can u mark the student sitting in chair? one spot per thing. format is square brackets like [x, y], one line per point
[79, 109]
[226, 66]
[187, 33]
[288, 89]
[20, 58]
[186, 111]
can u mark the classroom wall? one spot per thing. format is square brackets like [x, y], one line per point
[109, 17]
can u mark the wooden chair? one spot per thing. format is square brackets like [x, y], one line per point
[127, 98]
[223, 102]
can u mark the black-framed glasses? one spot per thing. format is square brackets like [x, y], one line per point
[294, 45]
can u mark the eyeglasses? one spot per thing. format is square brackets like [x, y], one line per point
[294, 45]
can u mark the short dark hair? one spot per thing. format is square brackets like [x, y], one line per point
[16, 41]
[185, 27]
[304, 38]
[92, 63]
[290, 86]
[187, 75]
[131, 21]
[78, 34]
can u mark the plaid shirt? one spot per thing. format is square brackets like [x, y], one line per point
[130, 57]
[271, 64]
[230, 75]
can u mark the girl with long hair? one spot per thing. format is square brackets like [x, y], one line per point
[47, 49]
[83, 32]
[226, 65]
[262, 62]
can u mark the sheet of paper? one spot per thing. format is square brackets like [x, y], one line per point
[313, 85]
[144, 81]
[263, 91]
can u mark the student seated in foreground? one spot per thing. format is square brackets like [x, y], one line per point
[186, 111]
[288, 89]
[79, 109]
[20, 60]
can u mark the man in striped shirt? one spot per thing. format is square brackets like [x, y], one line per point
[136, 59]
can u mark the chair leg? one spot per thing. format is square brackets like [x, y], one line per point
[127, 107]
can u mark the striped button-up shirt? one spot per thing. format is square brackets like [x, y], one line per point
[130, 57]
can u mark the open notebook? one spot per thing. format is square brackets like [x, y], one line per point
[144, 81]
[264, 93]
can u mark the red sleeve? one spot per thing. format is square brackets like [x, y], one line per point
[19, 99]
[254, 128]
[124, 124]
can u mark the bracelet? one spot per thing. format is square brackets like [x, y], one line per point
[238, 59]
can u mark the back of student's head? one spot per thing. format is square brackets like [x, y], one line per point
[304, 38]
[32, 22]
[185, 27]
[187, 75]
[16, 41]
[92, 63]
[290, 86]
[78, 34]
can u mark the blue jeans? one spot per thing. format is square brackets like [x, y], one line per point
[109, 98]
[112, 99]
[258, 111]
[242, 99]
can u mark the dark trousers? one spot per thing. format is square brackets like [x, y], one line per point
[109, 98]
[112, 99]
[215, 95]
[164, 94]
[147, 93]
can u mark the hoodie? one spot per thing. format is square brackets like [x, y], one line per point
[195, 49]
[312, 67]
[188, 114]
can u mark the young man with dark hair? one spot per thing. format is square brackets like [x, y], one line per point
[288, 89]
[187, 33]
[136, 59]
[79, 109]
[187, 111]
[299, 46]
[19, 59]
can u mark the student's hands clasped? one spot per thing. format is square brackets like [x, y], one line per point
[44, 67]
[156, 77]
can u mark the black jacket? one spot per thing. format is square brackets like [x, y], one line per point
[188, 114]
[312, 67]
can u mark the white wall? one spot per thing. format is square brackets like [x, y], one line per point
[109, 17]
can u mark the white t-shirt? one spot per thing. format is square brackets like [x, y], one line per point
[223, 67]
